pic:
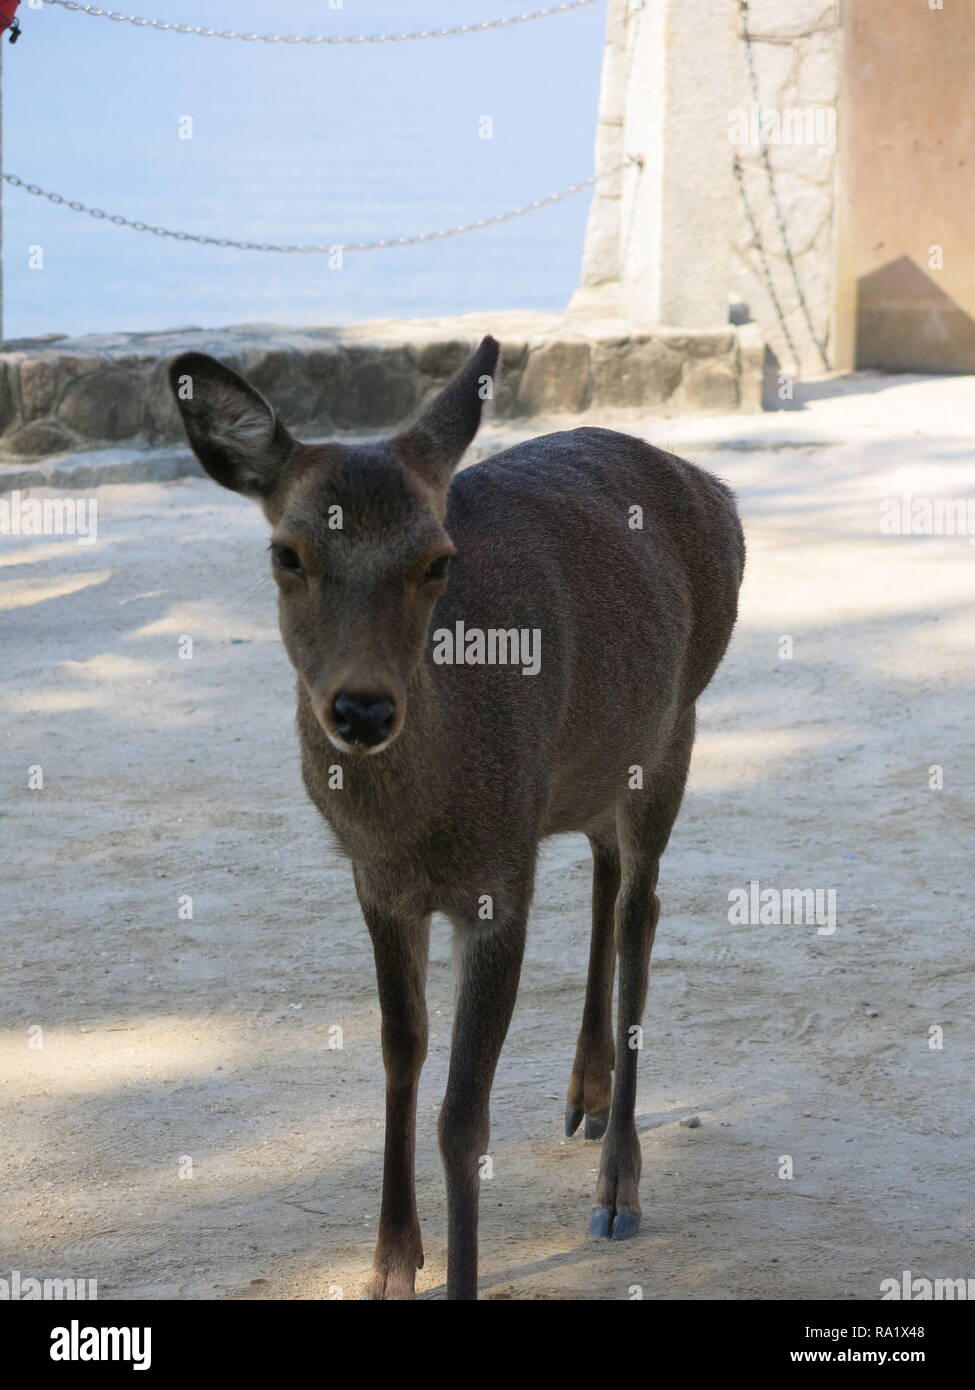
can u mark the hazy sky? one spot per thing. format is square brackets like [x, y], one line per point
[293, 144]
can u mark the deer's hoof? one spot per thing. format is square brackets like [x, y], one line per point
[596, 1124]
[596, 1121]
[600, 1222]
[395, 1287]
[627, 1224]
[605, 1224]
[392, 1281]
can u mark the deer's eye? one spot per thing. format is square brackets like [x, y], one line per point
[284, 558]
[438, 570]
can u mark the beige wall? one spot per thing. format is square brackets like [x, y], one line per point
[908, 186]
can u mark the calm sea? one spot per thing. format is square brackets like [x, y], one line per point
[293, 144]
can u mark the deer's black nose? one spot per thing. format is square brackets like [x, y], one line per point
[365, 719]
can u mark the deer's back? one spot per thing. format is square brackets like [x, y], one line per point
[627, 561]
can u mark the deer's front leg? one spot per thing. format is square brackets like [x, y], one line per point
[490, 963]
[401, 948]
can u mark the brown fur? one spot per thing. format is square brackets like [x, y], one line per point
[483, 761]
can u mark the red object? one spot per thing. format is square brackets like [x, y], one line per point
[8, 8]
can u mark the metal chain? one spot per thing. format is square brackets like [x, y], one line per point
[120, 221]
[203, 32]
[766, 268]
[780, 219]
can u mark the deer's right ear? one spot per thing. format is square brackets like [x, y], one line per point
[232, 429]
[435, 444]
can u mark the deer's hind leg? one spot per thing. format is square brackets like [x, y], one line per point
[644, 822]
[591, 1082]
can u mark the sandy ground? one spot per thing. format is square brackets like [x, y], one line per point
[185, 1131]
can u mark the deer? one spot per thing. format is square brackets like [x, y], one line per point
[440, 778]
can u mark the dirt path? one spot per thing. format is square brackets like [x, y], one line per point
[176, 1046]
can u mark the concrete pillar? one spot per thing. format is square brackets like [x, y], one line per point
[599, 283]
[659, 235]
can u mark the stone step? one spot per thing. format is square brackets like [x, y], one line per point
[63, 395]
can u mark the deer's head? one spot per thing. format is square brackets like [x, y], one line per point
[358, 547]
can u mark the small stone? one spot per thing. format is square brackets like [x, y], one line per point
[692, 1122]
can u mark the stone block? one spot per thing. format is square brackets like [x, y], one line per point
[107, 404]
[441, 360]
[38, 438]
[38, 381]
[634, 373]
[710, 386]
[7, 407]
[557, 378]
[377, 387]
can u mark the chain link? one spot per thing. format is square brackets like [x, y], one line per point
[117, 220]
[203, 32]
[779, 217]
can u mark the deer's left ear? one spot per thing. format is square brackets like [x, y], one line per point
[232, 429]
[434, 446]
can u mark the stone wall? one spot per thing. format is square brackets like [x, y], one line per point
[59, 395]
[668, 239]
[796, 46]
